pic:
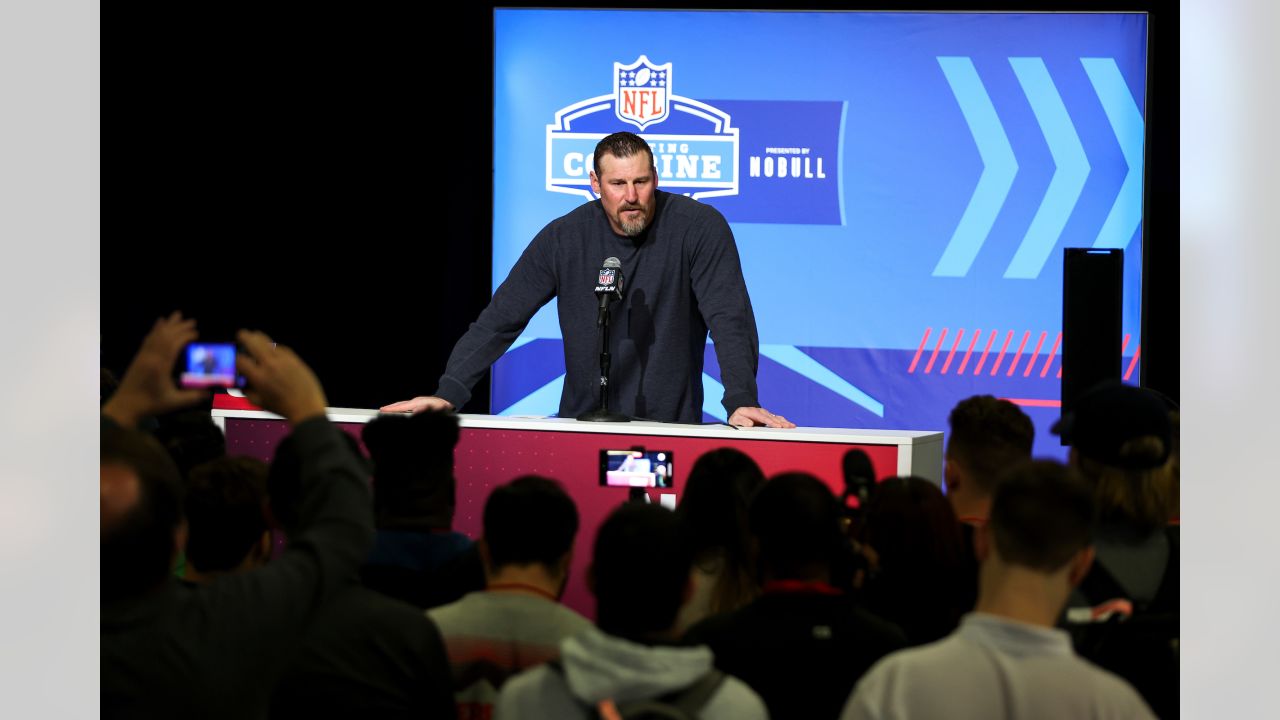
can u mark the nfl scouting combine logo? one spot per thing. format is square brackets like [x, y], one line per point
[695, 145]
[763, 161]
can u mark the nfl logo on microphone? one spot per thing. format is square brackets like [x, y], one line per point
[606, 276]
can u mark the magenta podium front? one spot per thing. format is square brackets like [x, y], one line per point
[493, 450]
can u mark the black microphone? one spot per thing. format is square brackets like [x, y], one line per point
[609, 285]
[608, 289]
[859, 477]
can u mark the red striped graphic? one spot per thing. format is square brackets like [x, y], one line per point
[1000, 358]
[1125, 346]
[978, 369]
[1021, 346]
[231, 402]
[919, 350]
[929, 368]
[1033, 402]
[956, 344]
[1133, 363]
[976, 334]
[1052, 353]
[1032, 362]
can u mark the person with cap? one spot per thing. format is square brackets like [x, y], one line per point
[1008, 659]
[1124, 615]
[1121, 439]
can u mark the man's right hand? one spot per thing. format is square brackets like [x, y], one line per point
[418, 404]
[278, 380]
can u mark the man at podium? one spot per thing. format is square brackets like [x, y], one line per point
[683, 280]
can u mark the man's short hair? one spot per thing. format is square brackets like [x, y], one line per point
[413, 487]
[191, 437]
[1041, 515]
[641, 567]
[529, 520]
[989, 436]
[714, 505]
[796, 520]
[621, 145]
[224, 507]
[138, 546]
[284, 481]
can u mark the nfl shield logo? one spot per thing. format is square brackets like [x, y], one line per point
[606, 277]
[641, 92]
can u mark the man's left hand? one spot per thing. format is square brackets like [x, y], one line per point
[753, 416]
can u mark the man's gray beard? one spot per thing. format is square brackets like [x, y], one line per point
[632, 229]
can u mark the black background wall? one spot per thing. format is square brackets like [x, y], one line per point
[325, 176]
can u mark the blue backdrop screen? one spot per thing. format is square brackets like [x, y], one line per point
[900, 185]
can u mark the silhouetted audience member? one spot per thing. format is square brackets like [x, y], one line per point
[1121, 442]
[190, 437]
[1007, 660]
[517, 621]
[803, 643]
[640, 577]
[1125, 613]
[227, 528]
[713, 513]
[989, 436]
[917, 578]
[414, 493]
[365, 654]
[213, 650]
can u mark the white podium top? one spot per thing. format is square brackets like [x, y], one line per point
[499, 422]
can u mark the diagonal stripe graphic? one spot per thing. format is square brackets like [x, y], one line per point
[1031, 363]
[952, 354]
[543, 401]
[1021, 346]
[916, 360]
[520, 342]
[999, 168]
[963, 363]
[1068, 179]
[941, 339]
[791, 358]
[712, 393]
[1057, 342]
[1127, 124]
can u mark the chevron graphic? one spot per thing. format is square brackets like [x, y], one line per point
[999, 168]
[1071, 164]
[1127, 124]
[538, 401]
[792, 358]
[1068, 179]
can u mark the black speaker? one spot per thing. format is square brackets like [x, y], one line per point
[1091, 319]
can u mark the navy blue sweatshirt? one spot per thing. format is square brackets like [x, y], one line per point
[683, 278]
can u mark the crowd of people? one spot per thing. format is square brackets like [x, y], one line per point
[1020, 588]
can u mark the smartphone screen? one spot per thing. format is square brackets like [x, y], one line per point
[636, 468]
[208, 365]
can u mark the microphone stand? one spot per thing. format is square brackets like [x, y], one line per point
[602, 414]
